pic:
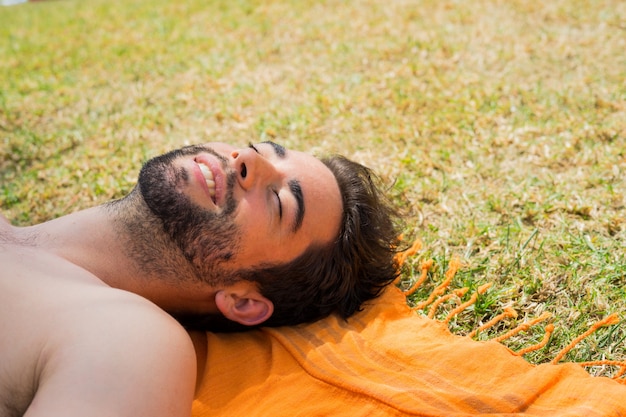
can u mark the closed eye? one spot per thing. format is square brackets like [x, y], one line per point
[280, 206]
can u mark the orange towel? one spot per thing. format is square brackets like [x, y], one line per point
[389, 361]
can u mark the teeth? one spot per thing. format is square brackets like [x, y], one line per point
[208, 177]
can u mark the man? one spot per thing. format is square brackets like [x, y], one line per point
[254, 235]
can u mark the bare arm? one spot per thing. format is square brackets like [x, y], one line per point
[122, 363]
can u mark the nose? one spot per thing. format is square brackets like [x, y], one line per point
[253, 169]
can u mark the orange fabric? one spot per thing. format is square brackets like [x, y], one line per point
[388, 361]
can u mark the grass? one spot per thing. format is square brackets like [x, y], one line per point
[500, 126]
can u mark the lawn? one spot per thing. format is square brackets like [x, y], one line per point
[499, 127]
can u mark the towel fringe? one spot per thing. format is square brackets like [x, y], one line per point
[401, 257]
[549, 329]
[438, 296]
[481, 290]
[620, 365]
[508, 312]
[425, 268]
[523, 327]
[609, 320]
[457, 293]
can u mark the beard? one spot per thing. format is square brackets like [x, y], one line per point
[207, 240]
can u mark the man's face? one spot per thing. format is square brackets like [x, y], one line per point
[233, 208]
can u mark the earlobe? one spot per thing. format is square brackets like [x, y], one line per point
[247, 307]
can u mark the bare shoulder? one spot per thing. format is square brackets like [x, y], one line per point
[120, 355]
[126, 359]
[73, 346]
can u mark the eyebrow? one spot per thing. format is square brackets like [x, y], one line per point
[296, 190]
[279, 150]
[294, 187]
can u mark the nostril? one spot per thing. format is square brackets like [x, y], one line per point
[244, 171]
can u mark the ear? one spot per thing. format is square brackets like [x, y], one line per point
[244, 304]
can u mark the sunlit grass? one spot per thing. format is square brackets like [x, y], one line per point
[500, 125]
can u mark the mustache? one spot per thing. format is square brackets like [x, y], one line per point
[166, 160]
[194, 150]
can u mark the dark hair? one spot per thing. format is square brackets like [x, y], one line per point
[341, 276]
[337, 277]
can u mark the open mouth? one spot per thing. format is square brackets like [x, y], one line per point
[208, 178]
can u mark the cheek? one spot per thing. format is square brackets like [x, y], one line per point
[258, 243]
[254, 236]
[248, 220]
[259, 246]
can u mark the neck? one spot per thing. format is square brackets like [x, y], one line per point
[123, 245]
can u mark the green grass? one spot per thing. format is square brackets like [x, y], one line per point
[501, 126]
